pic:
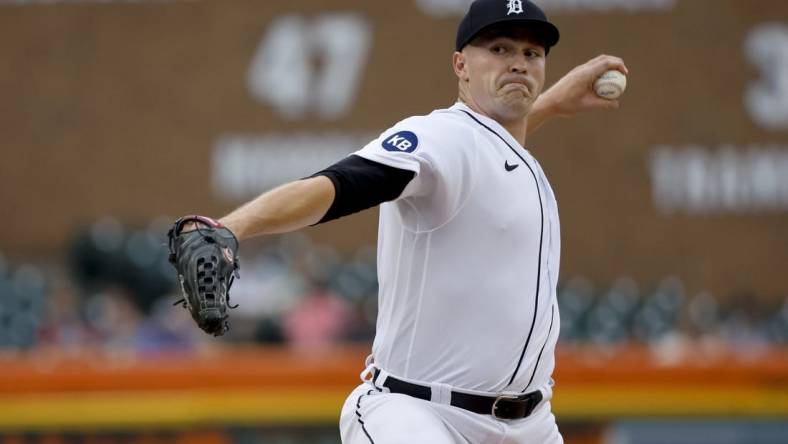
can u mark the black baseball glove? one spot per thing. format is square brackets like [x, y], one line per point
[206, 260]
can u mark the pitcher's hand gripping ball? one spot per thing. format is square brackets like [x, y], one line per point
[611, 84]
[206, 260]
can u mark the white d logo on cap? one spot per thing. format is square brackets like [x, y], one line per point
[515, 7]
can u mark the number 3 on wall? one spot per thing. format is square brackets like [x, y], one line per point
[767, 98]
[310, 65]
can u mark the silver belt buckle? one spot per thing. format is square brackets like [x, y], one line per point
[498, 398]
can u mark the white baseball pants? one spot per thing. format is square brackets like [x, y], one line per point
[373, 417]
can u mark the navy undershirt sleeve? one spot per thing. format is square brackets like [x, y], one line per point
[360, 184]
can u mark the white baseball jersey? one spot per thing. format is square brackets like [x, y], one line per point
[468, 257]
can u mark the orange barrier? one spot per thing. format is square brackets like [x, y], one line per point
[257, 385]
[264, 367]
[237, 367]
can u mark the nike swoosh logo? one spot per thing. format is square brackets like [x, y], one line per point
[510, 167]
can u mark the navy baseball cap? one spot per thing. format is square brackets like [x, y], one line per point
[484, 14]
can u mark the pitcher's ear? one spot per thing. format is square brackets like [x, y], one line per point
[459, 63]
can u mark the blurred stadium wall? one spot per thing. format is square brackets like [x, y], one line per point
[115, 113]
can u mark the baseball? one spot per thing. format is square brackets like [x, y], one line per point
[611, 84]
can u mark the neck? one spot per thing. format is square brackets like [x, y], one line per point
[516, 125]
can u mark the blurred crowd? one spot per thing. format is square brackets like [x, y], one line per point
[117, 291]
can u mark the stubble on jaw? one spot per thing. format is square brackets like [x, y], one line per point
[502, 102]
[510, 107]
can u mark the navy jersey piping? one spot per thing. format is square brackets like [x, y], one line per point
[358, 413]
[541, 236]
[539, 358]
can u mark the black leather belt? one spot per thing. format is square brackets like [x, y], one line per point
[502, 407]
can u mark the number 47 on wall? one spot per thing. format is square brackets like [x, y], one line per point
[311, 65]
